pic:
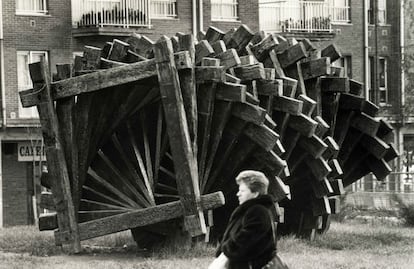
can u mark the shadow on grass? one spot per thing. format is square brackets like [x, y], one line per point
[359, 241]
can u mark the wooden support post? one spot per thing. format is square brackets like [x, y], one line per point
[56, 159]
[177, 128]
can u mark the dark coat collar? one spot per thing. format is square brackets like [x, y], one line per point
[264, 200]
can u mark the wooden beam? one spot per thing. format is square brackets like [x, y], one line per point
[102, 79]
[139, 218]
[177, 128]
[54, 153]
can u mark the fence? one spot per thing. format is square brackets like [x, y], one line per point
[301, 16]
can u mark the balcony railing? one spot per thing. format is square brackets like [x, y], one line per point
[301, 16]
[120, 13]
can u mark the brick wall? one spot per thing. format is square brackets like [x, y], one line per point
[50, 33]
[16, 207]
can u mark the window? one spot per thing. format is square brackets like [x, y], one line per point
[382, 8]
[164, 8]
[224, 10]
[32, 7]
[340, 11]
[346, 63]
[382, 80]
[382, 14]
[24, 58]
[382, 73]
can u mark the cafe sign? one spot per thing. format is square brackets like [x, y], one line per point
[29, 151]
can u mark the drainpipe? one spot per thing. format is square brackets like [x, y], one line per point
[200, 15]
[3, 95]
[402, 51]
[366, 51]
[194, 18]
[2, 84]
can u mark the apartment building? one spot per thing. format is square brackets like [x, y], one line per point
[57, 30]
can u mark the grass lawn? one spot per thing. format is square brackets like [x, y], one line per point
[346, 245]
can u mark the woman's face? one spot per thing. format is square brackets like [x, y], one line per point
[244, 194]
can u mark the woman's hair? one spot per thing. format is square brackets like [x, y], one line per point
[256, 181]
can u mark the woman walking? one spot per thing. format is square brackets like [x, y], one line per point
[248, 242]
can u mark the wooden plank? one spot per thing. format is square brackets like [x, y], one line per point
[141, 45]
[204, 74]
[337, 186]
[213, 34]
[188, 89]
[308, 104]
[222, 113]
[262, 135]
[103, 79]
[273, 61]
[334, 84]
[291, 55]
[249, 113]
[261, 49]
[139, 218]
[356, 87]
[313, 145]
[332, 51]
[46, 201]
[250, 72]
[218, 47]
[92, 58]
[206, 94]
[315, 68]
[56, 160]
[48, 221]
[177, 128]
[65, 115]
[321, 206]
[303, 124]
[229, 58]
[336, 168]
[118, 50]
[202, 49]
[231, 92]
[366, 124]
[288, 105]
[239, 39]
[370, 108]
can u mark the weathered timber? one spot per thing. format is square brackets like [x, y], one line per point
[103, 79]
[141, 45]
[118, 50]
[332, 51]
[202, 49]
[288, 105]
[213, 34]
[46, 201]
[57, 167]
[231, 92]
[188, 89]
[140, 217]
[261, 49]
[334, 84]
[210, 74]
[262, 135]
[48, 221]
[229, 58]
[303, 124]
[239, 38]
[65, 115]
[249, 113]
[315, 68]
[292, 55]
[250, 72]
[184, 162]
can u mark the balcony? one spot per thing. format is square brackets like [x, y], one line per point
[119, 14]
[278, 16]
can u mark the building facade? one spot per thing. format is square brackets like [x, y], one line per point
[373, 36]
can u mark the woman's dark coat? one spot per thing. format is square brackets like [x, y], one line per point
[248, 239]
